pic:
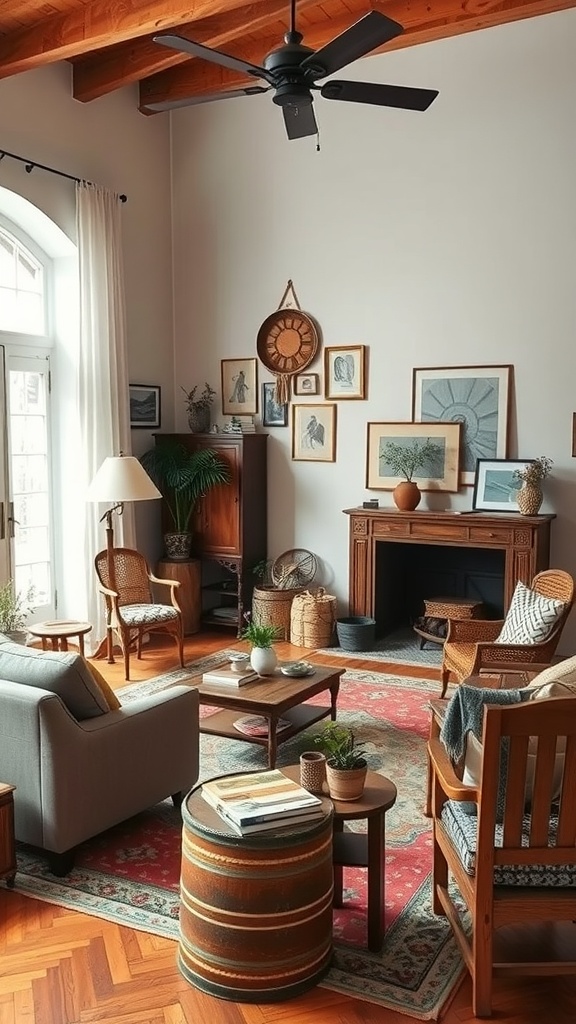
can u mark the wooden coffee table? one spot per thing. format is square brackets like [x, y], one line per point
[271, 697]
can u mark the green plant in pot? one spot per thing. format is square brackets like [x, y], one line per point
[199, 408]
[346, 764]
[15, 607]
[182, 476]
[404, 460]
[263, 657]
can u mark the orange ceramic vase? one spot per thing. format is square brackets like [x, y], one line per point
[407, 496]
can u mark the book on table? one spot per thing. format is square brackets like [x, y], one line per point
[315, 814]
[229, 677]
[257, 725]
[256, 797]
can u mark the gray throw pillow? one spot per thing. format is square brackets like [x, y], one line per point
[60, 672]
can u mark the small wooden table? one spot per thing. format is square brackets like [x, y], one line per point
[362, 849]
[272, 697]
[7, 840]
[57, 633]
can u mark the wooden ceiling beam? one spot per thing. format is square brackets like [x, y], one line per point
[98, 24]
[122, 65]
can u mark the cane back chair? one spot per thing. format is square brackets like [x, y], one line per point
[513, 863]
[131, 612]
[470, 648]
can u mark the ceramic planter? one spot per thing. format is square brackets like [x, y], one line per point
[263, 660]
[346, 784]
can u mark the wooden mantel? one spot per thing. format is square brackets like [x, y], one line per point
[525, 541]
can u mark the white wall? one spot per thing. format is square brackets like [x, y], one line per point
[109, 142]
[436, 239]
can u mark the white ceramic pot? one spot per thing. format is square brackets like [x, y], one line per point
[263, 660]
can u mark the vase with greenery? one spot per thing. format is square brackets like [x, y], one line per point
[346, 764]
[182, 476]
[15, 607]
[263, 657]
[199, 408]
[530, 495]
[404, 460]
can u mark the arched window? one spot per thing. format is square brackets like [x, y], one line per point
[22, 305]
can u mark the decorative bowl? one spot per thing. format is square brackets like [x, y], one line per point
[297, 668]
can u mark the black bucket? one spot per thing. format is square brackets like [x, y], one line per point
[356, 633]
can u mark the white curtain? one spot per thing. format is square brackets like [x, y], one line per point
[103, 372]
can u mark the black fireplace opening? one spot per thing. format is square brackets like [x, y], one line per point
[407, 574]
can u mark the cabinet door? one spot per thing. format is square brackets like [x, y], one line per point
[218, 520]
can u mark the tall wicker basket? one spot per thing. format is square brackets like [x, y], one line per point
[312, 619]
[272, 607]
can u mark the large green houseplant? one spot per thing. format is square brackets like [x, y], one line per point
[182, 476]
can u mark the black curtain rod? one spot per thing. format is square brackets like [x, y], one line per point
[29, 166]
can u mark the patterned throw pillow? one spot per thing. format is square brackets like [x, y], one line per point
[531, 617]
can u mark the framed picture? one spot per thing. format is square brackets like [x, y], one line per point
[495, 489]
[144, 405]
[314, 433]
[344, 371]
[476, 396]
[389, 444]
[306, 384]
[273, 413]
[239, 387]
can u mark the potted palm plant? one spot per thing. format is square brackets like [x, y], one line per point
[182, 477]
[404, 460]
[346, 764]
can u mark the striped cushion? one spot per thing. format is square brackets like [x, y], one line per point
[531, 617]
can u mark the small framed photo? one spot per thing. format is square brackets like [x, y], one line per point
[314, 433]
[392, 446]
[495, 487]
[344, 372]
[144, 406]
[306, 384]
[274, 414]
[239, 387]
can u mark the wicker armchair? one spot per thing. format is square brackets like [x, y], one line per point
[470, 648]
[130, 607]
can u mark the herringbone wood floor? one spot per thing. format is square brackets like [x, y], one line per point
[61, 967]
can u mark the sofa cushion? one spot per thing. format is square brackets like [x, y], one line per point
[530, 618]
[60, 672]
[104, 687]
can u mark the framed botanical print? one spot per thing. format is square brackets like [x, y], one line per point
[274, 414]
[314, 433]
[239, 387]
[427, 453]
[476, 396]
[344, 372]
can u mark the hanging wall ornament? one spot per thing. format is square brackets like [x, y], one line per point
[287, 342]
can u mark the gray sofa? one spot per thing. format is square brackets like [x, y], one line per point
[78, 766]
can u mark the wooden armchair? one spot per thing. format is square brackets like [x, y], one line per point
[470, 649]
[130, 607]
[511, 865]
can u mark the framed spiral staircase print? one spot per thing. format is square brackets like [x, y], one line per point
[478, 397]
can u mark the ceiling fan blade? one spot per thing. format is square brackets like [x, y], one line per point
[365, 35]
[250, 90]
[299, 121]
[382, 95]
[226, 60]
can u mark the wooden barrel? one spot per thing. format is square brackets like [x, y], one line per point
[256, 910]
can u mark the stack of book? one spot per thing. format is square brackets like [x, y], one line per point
[261, 801]
[229, 677]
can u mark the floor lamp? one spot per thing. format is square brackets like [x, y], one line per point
[120, 478]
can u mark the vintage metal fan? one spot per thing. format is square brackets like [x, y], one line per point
[294, 568]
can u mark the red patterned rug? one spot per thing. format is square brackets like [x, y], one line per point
[130, 874]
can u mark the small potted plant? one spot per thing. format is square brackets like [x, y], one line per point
[530, 495]
[199, 408]
[346, 764]
[404, 460]
[263, 657]
[15, 607]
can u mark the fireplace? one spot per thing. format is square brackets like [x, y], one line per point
[398, 559]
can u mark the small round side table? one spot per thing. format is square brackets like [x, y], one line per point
[55, 634]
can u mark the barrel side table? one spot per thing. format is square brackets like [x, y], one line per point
[188, 594]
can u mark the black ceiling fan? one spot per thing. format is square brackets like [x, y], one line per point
[293, 69]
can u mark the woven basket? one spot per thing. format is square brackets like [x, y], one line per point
[312, 619]
[272, 608]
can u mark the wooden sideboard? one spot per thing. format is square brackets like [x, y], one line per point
[523, 540]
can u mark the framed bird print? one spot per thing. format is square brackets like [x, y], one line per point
[344, 373]
[314, 433]
[478, 397]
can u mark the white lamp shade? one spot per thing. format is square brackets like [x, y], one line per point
[122, 478]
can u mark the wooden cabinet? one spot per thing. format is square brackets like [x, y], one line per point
[188, 594]
[230, 524]
[7, 841]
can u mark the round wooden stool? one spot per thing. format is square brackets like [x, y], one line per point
[55, 634]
